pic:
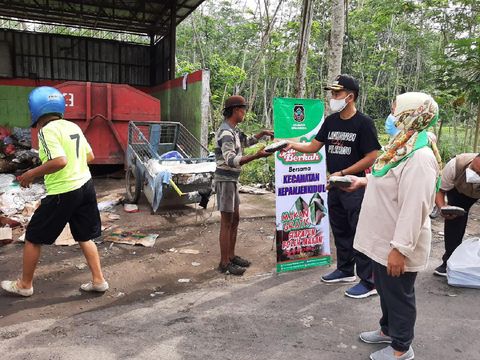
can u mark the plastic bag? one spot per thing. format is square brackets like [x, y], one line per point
[463, 267]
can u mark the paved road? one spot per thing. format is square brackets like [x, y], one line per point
[288, 316]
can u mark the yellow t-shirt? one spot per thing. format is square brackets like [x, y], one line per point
[64, 138]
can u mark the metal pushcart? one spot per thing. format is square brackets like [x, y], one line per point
[168, 164]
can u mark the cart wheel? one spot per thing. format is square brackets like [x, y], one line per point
[133, 180]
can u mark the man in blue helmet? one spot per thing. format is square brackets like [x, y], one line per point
[71, 197]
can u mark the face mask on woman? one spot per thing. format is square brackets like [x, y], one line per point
[390, 128]
[337, 105]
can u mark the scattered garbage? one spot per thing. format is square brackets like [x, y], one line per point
[15, 150]
[130, 208]
[463, 266]
[120, 294]
[81, 266]
[108, 202]
[14, 201]
[132, 238]
[65, 238]
[184, 280]
[113, 216]
[195, 264]
[189, 251]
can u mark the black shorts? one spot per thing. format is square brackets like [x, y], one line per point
[78, 208]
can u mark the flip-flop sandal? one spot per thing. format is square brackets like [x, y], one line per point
[11, 287]
[90, 287]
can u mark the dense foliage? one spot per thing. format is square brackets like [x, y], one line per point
[391, 46]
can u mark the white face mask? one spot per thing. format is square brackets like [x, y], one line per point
[472, 177]
[337, 105]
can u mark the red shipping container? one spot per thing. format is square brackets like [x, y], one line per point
[103, 111]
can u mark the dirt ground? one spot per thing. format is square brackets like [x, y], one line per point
[136, 273]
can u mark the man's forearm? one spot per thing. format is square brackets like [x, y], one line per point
[49, 167]
[248, 158]
[440, 199]
[307, 147]
[359, 166]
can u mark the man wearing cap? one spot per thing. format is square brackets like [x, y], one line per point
[461, 185]
[351, 145]
[229, 157]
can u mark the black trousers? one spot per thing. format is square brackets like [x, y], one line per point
[397, 299]
[455, 229]
[344, 209]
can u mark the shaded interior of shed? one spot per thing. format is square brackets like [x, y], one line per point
[52, 56]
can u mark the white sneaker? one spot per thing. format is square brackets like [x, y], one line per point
[90, 287]
[11, 287]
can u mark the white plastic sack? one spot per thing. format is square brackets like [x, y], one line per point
[463, 267]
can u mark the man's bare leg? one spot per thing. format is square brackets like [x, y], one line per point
[90, 252]
[225, 237]
[233, 233]
[31, 254]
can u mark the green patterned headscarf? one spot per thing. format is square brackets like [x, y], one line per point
[415, 113]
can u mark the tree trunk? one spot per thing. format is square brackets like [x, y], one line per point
[302, 52]
[337, 35]
[477, 128]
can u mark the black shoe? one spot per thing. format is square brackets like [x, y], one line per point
[232, 269]
[237, 260]
[441, 270]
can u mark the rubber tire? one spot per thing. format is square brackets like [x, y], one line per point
[137, 177]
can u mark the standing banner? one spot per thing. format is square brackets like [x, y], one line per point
[300, 184]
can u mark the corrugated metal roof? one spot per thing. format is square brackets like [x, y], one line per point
[131, 16]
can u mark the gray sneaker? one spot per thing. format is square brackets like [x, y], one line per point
[375, 337]
[388, 354]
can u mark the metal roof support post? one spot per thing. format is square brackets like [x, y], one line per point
[173, 38]
[153, 61]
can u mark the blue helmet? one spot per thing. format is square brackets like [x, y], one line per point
[45, 100]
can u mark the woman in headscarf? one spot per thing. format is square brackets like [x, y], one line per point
[394, 226]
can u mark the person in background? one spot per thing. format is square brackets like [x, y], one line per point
[394, 228]
[351, 147]
[390, 128]
[229, 157]
[461, 186]
[71, 197]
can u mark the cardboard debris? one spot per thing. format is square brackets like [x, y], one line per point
[65, 238]
[130, 238]
[30, 208]
[5, 236]
[6, 233]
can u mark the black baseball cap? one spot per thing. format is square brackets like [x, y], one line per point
[344, 82]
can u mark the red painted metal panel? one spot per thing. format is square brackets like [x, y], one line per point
[103, 111]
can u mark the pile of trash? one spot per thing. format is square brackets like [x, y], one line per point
[16, 151]
[17, 205]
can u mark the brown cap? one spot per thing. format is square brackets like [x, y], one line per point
[235, 101]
